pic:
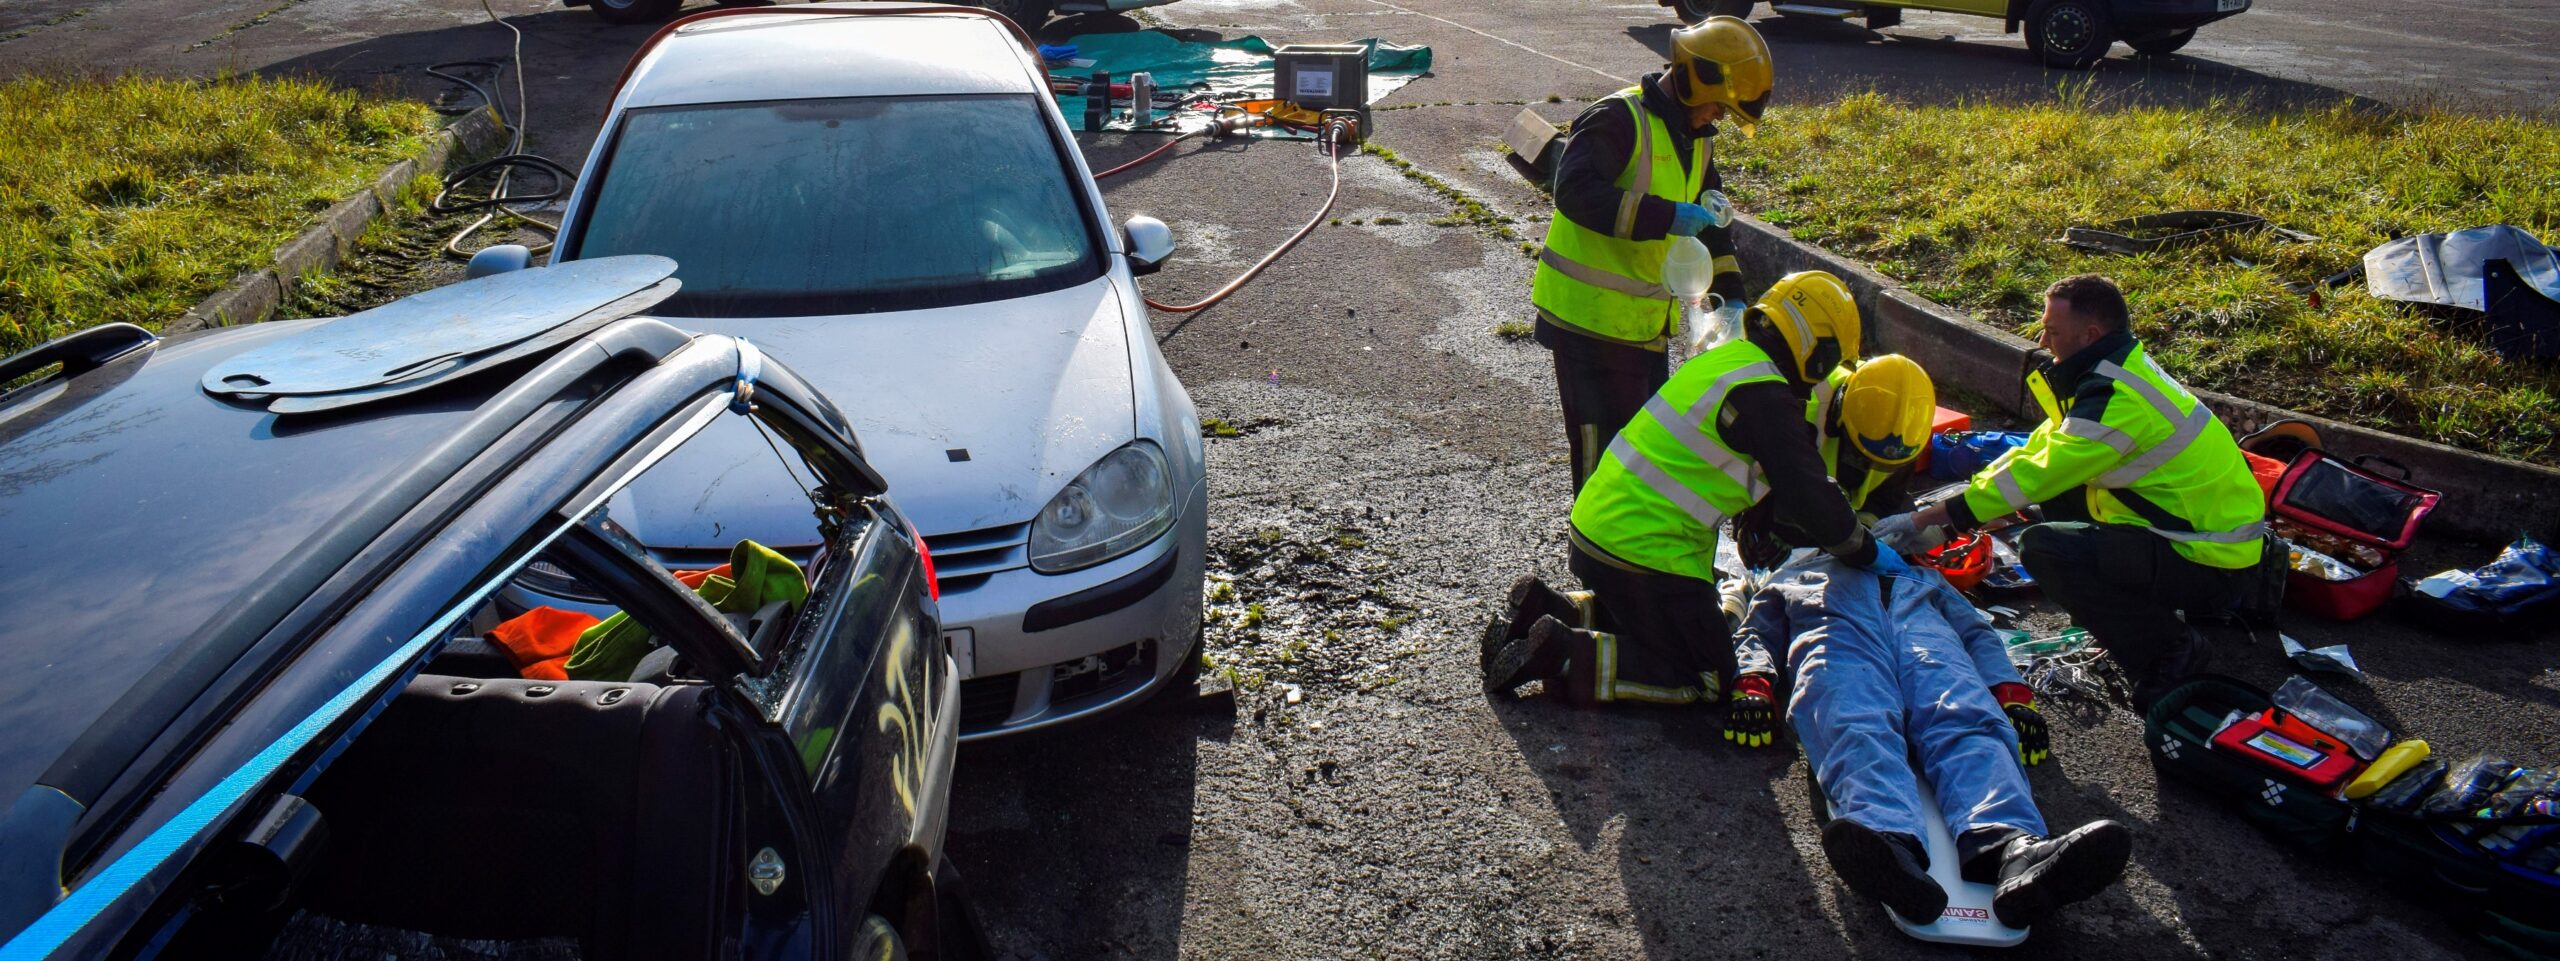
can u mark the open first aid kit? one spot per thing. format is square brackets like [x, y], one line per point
[2344, 526]
[2479, 838]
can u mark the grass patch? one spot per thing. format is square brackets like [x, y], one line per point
[1961, 202]
[1218, 427]
[130, 199]
[1515, 330]
[1464, 209]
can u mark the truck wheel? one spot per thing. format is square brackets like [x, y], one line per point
[634, 11]
[2162, 45]
[1027, 14]
[875, 940]
[1692, 11]
[2071, 34]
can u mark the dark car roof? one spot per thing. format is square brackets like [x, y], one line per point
[134, 507]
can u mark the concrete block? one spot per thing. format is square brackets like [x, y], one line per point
[313, 250]
[348, 219]
[1768, 252]
[386, 188]
[478, 132]
[251, 297]
[1955, 349]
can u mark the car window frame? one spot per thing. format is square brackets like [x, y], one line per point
[1099, 238]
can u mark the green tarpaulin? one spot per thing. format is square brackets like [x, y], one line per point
[1225, 70]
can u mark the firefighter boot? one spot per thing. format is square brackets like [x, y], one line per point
[1529, 600]
[1538, 656]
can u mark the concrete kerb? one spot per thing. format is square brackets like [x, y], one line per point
[253, 296]
[2488, 498]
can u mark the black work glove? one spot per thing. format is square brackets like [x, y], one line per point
[1751, 713]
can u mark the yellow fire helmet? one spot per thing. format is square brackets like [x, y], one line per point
[1814, 313]
[1722, 60]
[1888, 409]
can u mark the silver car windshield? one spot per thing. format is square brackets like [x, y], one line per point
[801, 207]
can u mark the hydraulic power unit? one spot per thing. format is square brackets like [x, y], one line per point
[1323, 76]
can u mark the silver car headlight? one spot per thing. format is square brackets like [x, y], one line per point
[1117, 505]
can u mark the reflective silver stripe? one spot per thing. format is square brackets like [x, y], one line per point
[1824, 394]
[2086, 429]
[1615, 283]
[2239, 535]
[2187, 427]
[1607, 646]
[1804, 328]
[2011, 494]
[1628, 202]
[1672, 490]
[1683, 426]
[1682, 429]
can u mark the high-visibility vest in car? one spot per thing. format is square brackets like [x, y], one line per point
[1594, 280]
[1669, 478]
[2167, 464]
[1819, 411]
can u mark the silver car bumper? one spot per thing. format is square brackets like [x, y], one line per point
[1043, 649]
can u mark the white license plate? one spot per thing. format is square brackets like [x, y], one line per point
[2226, 6]
[962, 642]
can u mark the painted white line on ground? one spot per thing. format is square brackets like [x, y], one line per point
[1506, 40]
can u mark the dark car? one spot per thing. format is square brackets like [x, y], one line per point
[255, 697]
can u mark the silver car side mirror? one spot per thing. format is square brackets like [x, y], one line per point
[1150, 244]
[500, 259]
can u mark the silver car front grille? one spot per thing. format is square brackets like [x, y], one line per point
[965, 559]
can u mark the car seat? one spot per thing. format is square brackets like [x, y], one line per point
[505, 808]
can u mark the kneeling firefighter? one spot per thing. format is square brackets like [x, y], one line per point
[1871, 420]
[1726, 433]
[1638, 171]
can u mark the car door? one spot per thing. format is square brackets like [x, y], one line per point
[860, 695]
[845, 707]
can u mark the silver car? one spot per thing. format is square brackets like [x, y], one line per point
[888, 196]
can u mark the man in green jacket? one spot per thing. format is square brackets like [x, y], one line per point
[2149, 508]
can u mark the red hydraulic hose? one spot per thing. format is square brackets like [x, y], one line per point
[1333, 150]
[1150, 155]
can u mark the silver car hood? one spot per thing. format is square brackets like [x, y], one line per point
[977, 415]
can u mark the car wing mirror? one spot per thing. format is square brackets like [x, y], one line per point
[1150, 244]
[500, 259]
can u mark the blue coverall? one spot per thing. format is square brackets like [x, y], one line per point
[1889, 670]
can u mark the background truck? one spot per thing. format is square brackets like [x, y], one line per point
[2071, 34]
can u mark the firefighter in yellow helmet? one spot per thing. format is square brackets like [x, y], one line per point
[1871, 420]
[1639, 171]
[1725, 433]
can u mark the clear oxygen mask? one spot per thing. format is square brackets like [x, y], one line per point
[1688, 269]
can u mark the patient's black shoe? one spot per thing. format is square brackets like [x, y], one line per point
[2038, 875]
[1892, 868]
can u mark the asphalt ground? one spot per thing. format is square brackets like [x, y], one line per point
[1396, 463]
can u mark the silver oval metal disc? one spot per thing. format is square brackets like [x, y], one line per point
[423, 334]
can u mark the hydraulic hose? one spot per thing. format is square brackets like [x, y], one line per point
[1149, 155]
[1333, 137]
[498, 199]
